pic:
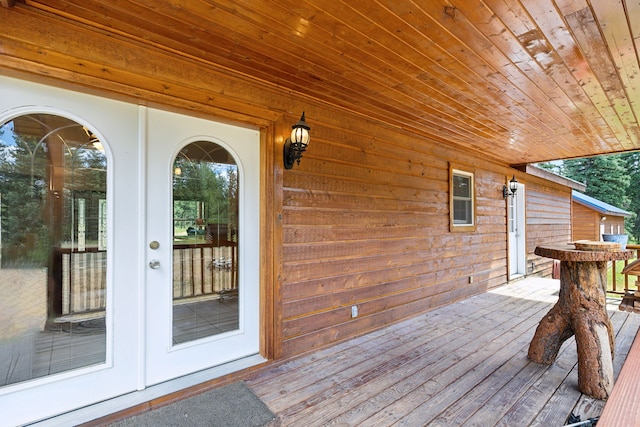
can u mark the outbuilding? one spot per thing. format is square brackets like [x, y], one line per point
[591, 218]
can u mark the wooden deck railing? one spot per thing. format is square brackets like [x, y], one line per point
[630, 282]
[80, 279]
[199, 271]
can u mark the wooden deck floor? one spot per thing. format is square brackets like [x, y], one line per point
[463, 364]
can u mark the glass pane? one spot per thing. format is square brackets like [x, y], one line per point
[512, 214]
[461, 186]
[462, 212]
[53, 183]
[205, 246]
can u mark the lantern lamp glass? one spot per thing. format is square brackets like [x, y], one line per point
[513, 185]
[300, 136]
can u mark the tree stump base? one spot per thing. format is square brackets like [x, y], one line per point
[581, 310]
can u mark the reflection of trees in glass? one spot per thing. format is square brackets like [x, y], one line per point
[232, 173]
[85, 178]
[23, 178]
[46, 163]
[186, 210]
[205, 190]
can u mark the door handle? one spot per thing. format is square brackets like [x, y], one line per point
[154, 264]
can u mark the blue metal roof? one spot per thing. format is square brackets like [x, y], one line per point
[598, 205]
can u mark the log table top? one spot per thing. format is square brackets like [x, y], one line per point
[567, 253]
[581, 311]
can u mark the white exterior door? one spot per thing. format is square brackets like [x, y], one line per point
[202, 294]
[516, 233]
[115, 258]
[55, 359]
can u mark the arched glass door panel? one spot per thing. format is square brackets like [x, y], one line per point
[53, 186]
[205, 245]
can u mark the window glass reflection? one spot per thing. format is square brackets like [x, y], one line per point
[53, 247]
[205, 249]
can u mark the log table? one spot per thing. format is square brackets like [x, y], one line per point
[581, 310]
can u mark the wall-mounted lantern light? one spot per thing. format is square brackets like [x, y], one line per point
[511, 189]
[297, 144]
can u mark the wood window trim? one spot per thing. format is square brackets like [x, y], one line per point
[462, 170]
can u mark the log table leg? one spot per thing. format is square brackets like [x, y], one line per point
[580, 310]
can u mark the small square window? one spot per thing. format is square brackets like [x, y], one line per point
[462, 200]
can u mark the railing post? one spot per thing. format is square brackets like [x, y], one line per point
[637, 277]
[626, 277]
[636, 248]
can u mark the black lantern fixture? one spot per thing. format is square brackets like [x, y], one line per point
[511, 189]
[297, 144]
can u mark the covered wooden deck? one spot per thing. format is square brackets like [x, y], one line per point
[462, 364]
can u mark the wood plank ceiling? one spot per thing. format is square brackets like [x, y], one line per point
[520, 81]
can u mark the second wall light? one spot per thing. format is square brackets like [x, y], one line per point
[297, 143]
[511, 190]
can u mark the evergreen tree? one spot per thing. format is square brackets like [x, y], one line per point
[632, 225]
[613, 179]
[555, 167]
[606, 178]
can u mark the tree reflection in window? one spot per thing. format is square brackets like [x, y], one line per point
[53, 191]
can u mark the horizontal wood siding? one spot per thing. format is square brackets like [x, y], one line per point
[363, 220]
[366, 223]
[585, 223]
[548, 222]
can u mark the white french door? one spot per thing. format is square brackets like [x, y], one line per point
[120, 269]
[84, 258]
[202, 249]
